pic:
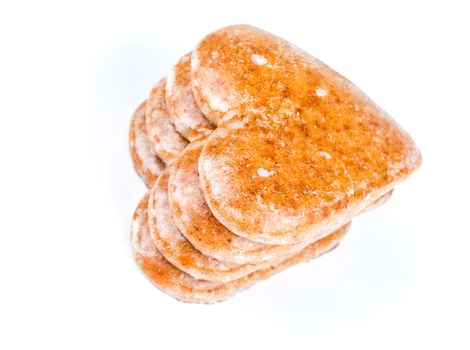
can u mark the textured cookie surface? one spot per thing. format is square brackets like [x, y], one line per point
[167, 142]
[186, 115]
[200, 227]
[146, 163]
[299, 149]
[185, 288]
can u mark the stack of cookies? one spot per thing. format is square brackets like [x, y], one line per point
[257, 156]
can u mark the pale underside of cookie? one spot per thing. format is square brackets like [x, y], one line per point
[183, 287]
[299, 149]
[200, 227]
[184, 112]
[166, 140]
[146, 163]
[180, 252]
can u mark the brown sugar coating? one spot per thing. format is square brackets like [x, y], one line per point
[184, 112]
[200, 227]
[185, 288]
[177, 249]
[146, 163]
[299, 149]
[167, 142]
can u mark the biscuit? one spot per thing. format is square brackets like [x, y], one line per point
[184, 112]
[183, 287]
[167, 142]
[146, 163]
[299, 150]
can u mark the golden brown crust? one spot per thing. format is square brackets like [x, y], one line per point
[299, 149]
[184, 112]
[167, 142]
[185, 288]
[146, 163]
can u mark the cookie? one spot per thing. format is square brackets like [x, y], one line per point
[299, 150]
[184, 112]
[146, 163]
[167, 142]
[196, 222]
[184, 287]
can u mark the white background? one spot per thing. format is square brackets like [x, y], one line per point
[71, 73]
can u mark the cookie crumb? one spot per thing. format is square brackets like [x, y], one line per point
[258, 59]
[265, 173]
[321, 92]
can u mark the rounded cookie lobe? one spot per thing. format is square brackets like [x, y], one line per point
[167, 142]
[319, 151]
[184, 112]
[146, 163]
[199, 226]
[261, 184]
[183, 287]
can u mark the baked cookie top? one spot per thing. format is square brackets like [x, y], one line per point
[299, 149]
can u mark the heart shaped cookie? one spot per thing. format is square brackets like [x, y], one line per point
[299, 150]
